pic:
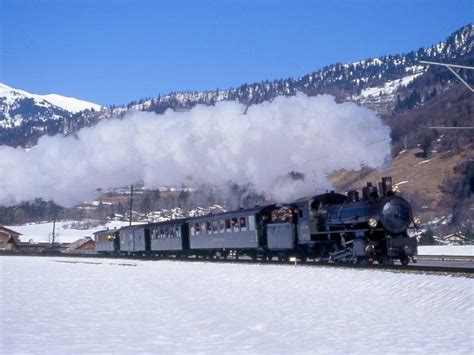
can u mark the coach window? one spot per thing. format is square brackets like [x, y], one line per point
[228, 225]
[209, 227]
[178, 232]
[203, 228]
[235, 224]
[172, 232]
[215, 227]
[193, 231]
[221, 226]
[198, 228]
[243, 223]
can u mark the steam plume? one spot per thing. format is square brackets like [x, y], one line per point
[284, 148]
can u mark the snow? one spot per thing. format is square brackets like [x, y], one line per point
[41, 232]
[389, 87]
[456, 250]
[61, 306]
[423, 162]
[68, 103]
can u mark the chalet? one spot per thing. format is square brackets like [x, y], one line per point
[9, 239]
[84, 245]
[456, 239]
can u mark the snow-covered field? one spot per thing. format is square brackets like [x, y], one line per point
[457, 250]
[41, 232]
[58, 305]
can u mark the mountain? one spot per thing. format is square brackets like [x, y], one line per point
[392, 85]
[30, 115]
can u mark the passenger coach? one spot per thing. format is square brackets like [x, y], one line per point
[168, 238]
[107, 241]
[235, 233]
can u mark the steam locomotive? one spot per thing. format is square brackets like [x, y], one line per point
[329, 227]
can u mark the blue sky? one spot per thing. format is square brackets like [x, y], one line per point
[115, 51]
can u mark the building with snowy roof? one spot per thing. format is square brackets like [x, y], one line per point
[84, 245]
[9, 239]
[456, 239]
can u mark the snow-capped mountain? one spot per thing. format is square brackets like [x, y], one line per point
[11, 95]
[31, 112]
[372, 82]
[390, 85]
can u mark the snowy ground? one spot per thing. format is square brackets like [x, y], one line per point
[464, 250]
[41, 232]
[58, 305]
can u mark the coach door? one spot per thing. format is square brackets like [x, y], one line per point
[116, 242]
[147, 239]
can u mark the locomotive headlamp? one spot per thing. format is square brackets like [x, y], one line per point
[373, 222]
[416, 220]
[395, 188]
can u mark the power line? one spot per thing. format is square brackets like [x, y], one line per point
[450, 67]
[450, 127]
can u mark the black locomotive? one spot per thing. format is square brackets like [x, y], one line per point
[329, 227]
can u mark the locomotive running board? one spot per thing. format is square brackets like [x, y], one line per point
[350, 231]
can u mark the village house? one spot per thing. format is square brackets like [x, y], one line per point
[84, 245]
[9, 239]
[456, 239]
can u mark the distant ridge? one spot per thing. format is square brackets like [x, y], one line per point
[391, 85]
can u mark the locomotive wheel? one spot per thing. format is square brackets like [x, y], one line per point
[404, 260]
[380, 259]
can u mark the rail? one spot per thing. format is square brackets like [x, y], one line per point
[464, 258]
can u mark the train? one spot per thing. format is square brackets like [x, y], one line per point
[367, 227]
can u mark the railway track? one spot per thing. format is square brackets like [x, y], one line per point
[463, 271]
[462, 258]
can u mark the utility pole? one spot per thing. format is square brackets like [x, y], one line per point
[131, 205]
[54, 227]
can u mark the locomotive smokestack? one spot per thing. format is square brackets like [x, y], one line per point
[386, 184]
[353, 196]
[369, 192]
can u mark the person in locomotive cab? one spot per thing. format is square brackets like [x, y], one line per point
[370, 251]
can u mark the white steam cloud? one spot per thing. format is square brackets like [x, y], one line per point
[213, 145]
